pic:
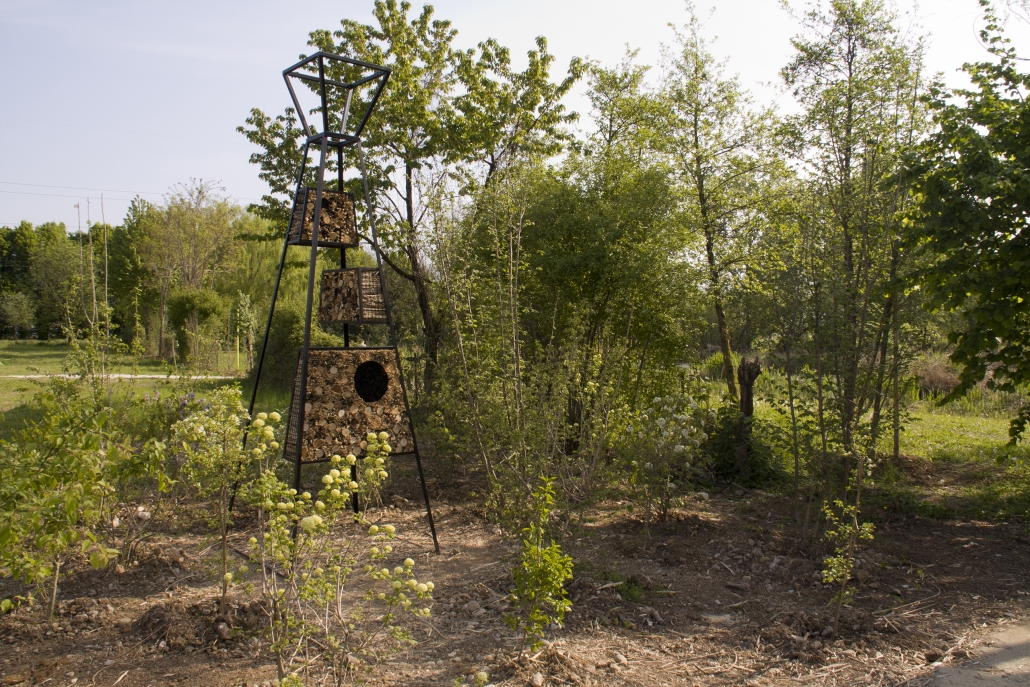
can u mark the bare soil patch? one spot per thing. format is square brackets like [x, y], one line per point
[720, 595]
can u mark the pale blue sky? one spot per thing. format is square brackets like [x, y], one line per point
[132, 96]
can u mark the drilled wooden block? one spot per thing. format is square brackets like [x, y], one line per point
[351, 392]
[337, 225]
[352, 295]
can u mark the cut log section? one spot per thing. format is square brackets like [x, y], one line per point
[353, 296]
[337, 225]
[350, 392]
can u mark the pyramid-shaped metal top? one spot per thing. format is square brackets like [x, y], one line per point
[346, 90]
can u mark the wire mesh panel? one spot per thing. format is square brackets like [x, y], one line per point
[373, 305]
[290, 445]
[350, 392]
[336, 225]
[353, 296]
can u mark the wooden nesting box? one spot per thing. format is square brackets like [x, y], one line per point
[352, 296]
[350, 392]
[337, 226]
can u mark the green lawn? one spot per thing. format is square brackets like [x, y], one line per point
[954, 465]
[954, 438]
[42, 357]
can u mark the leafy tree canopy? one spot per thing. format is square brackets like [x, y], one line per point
[971, 184]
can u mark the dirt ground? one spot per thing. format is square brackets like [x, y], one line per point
[718, 596]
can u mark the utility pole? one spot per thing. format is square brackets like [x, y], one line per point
[107, 305]
[92, 271]
[78, 213]
[107, 301]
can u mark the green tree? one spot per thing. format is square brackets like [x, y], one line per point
[192, 245]
[59, 273]
[503, 115]
[132, 281]
[625, 114]
[424, 130]
[191, 314]
[857, 79]
[17, 245]
[410, 136]
[242, 325]
[17, 311]
[718, 145]
[971, 187]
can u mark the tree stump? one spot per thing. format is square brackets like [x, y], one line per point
[747, 373]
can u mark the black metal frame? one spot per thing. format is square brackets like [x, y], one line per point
[300, 70]
[326, 139]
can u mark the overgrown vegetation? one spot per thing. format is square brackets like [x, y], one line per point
[698, 292]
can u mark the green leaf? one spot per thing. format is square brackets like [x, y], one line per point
[98, 559]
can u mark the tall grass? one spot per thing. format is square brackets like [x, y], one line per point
[978, 401]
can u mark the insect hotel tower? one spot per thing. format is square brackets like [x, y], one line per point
[340, 394]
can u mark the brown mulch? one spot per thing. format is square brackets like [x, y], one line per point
[718, 595]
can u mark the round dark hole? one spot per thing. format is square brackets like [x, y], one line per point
[371, 381]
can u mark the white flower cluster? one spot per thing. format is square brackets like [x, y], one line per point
[671, 425]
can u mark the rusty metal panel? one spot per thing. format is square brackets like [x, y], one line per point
[337, 225]
[350, 392]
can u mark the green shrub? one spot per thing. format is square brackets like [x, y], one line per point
[539, 596]
[719, 452]
[333, 601]
[284, 340]
[59, 486]
[845, 533]
[658, 445]
[193, 315]
[215, 460]
[711, 367]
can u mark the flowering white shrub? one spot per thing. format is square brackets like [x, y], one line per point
[332, 586]
[659, 445]
[374, 467]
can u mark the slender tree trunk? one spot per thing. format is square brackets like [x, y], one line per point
[881, 352]
[714, 283]
[896, 396]
[849, 354]
[470, 385]
[53, 590]
[225, 552]
[162, 306]
[794, 435]
[420, 280]
[724, 346]
[874, 426]
[820, 410]
[92, 278]
[640, 368]
[708, 222]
